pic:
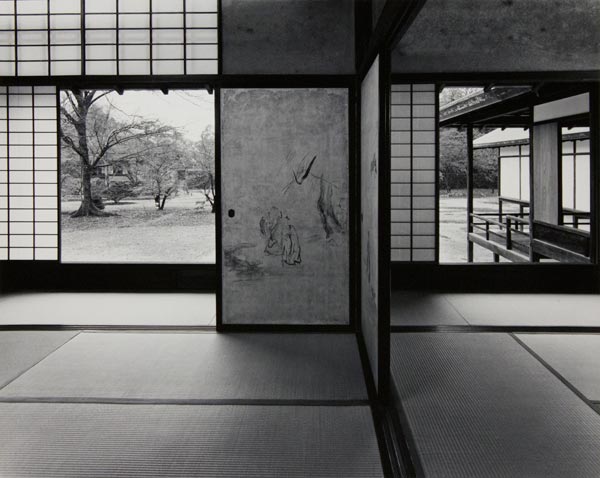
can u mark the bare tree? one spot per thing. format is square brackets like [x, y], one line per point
[92, 133]
[205, 157]
[160, 170]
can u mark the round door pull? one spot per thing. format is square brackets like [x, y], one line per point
[231, 213]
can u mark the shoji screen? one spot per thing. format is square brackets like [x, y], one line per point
[413, 175]
[40, 37]
[514, 172]
[108, 37]
[576, 175]
[28, 174]
[370, 120]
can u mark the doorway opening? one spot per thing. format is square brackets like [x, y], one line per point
[137, 176]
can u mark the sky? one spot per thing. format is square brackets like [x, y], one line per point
[189, 110]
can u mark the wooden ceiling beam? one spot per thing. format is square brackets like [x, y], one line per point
[394, 20]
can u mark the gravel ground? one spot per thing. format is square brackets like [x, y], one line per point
[453, 228]
[184, 232]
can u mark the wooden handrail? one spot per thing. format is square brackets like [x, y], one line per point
[510, 220]
[487, 220]
[570, 230]
[517, 219]
[514, 201]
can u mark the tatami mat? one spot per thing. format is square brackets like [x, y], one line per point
[21, 350]
[89, 309]
[479, 405]
[76, 440]
[546, 310]
[575, 356]
[199, 366]
[418, 308]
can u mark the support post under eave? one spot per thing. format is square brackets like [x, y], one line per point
[469, 190]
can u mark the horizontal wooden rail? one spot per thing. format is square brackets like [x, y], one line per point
[565, 244]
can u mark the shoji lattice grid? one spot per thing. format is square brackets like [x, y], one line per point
[28, 174]
[413, 175]
[108, 37]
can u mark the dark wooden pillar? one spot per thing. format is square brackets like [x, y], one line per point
[546, 173]
[469, 190]
[532, 256]
[595, 174]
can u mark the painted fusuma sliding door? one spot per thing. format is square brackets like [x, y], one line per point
[369, 213]
[284, 194]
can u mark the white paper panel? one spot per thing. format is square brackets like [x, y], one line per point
[201, 5]
[166, 67]
[31, 23]
[46, 254]
[46, 241]
[134, 36]
[64, 21]
[134, 5]
[568, 182]
[100, 36]
[139, 20]
[21, 254]
[128, 52]
[65, 6]
[168, 52]
[134, 67]
[20, 151]
[31, 6]
[202, 51]
[21, 164]
[167, 5]
[46, 228]
[201, 36]
[7, 7]
[21, 189]
[31, 39]
[94, 6]
[46, 202]
[509, 151]
[167, 36]
[583, 146]
[510, 177]
[202, 67]
[99, 21]
[201, 20]
[167, 21]
[23, 216]
[101, 68]
[582, 183]
[65, 37]
[524, 178]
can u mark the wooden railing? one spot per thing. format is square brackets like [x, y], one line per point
[538, 241]
[564, 244]
[502, 232]
[579, 218]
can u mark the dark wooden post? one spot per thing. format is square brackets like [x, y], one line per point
[532, 256]
[594, 175]
[469, 190]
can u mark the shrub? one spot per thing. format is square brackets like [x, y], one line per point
[118, 191]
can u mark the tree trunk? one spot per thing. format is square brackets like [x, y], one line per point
[87, 207]
[162, 204]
